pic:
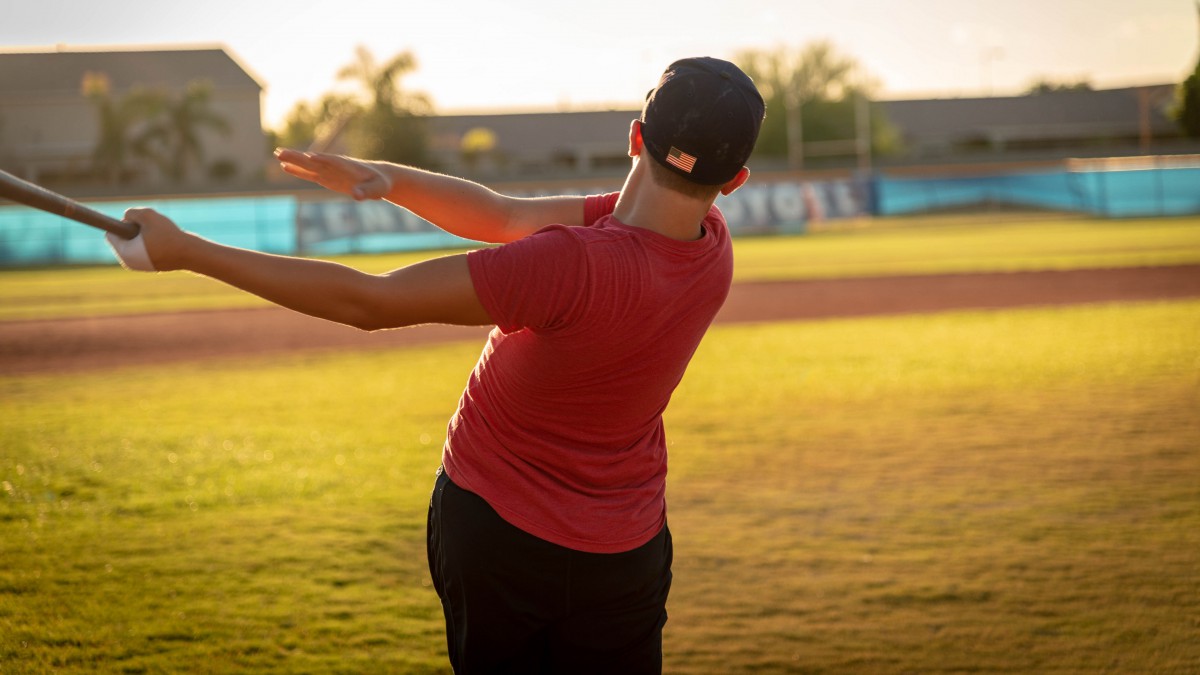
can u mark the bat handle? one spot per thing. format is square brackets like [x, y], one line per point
[122, 228]
[24, 192]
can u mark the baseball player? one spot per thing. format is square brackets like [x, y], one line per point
[547, 533]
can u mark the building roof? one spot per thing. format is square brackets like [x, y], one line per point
[1052, 115]
[538, 134]
[62, 70]
[1067, 116]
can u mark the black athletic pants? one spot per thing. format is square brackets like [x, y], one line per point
[515, 603]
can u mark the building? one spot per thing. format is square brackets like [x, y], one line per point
[49, 129]
[531, 145]
[1050, 125]
[1044, 127]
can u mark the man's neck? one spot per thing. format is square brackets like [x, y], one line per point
[647, 205]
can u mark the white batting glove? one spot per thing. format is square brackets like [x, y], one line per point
[131, 252]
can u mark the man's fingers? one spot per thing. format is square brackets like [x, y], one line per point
[321, 163]
[347, 165]
[313, 162]
[289, 156]
[334, 172]
[321, 158]
[142, 217]
[300, 172]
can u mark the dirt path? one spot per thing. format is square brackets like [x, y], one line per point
[72, 345]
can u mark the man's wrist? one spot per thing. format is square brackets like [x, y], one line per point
[185, 253]
[391, 174]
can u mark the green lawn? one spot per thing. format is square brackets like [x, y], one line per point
[966, 243]
[1009, 491]
[929, 245]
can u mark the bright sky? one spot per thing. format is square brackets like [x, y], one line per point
[558, 54]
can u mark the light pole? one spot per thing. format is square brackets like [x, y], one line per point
[795, 130]
[985, 66]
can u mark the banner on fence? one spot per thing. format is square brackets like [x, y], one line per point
[788, 207]
[783, 207]
[341, 226]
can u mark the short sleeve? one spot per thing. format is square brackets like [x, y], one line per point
[536, 282]
[596, 207]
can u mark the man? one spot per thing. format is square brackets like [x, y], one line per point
[547, 534]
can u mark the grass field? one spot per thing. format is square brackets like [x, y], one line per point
[901, 246]
[1007, 491]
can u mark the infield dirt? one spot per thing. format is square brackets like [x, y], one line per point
[77, 344]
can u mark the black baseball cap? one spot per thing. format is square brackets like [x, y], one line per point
[702, 119]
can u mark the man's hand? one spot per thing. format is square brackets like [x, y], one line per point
[159, 246]
[356, 178]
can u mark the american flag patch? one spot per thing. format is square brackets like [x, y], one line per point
[680, 159]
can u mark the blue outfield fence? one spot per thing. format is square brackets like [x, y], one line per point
[30, 237]
[1153, 192]
[1051, 190]
[323, 224]
[1111, 188]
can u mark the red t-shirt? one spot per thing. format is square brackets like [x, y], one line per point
[560, 426]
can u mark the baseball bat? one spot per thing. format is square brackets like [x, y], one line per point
[38, 197]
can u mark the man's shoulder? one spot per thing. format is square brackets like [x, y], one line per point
[598, 206]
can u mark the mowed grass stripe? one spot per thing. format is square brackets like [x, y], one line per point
[964, 243]
[998, 491]
[929, 245]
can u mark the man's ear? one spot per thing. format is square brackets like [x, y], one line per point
[635, 138]
[738, 181]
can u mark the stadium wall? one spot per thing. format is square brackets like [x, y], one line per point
[316, 223]
[1124, 187]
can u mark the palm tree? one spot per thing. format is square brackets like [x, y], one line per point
[118, 119]
[176, 136]
[381, 82]
[389, 125]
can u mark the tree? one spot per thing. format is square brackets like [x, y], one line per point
[175, 135]
[381, 120]
[1187, 101]
[308, 123]
[390, 125]
[811, 95]
[151, 124]
[1187, 104]
[1047, 86]
[122, 124]
[381, 82]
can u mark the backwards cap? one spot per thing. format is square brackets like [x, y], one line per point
[702, 120]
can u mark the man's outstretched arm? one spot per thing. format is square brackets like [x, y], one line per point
[456, 205]
[434, 291]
